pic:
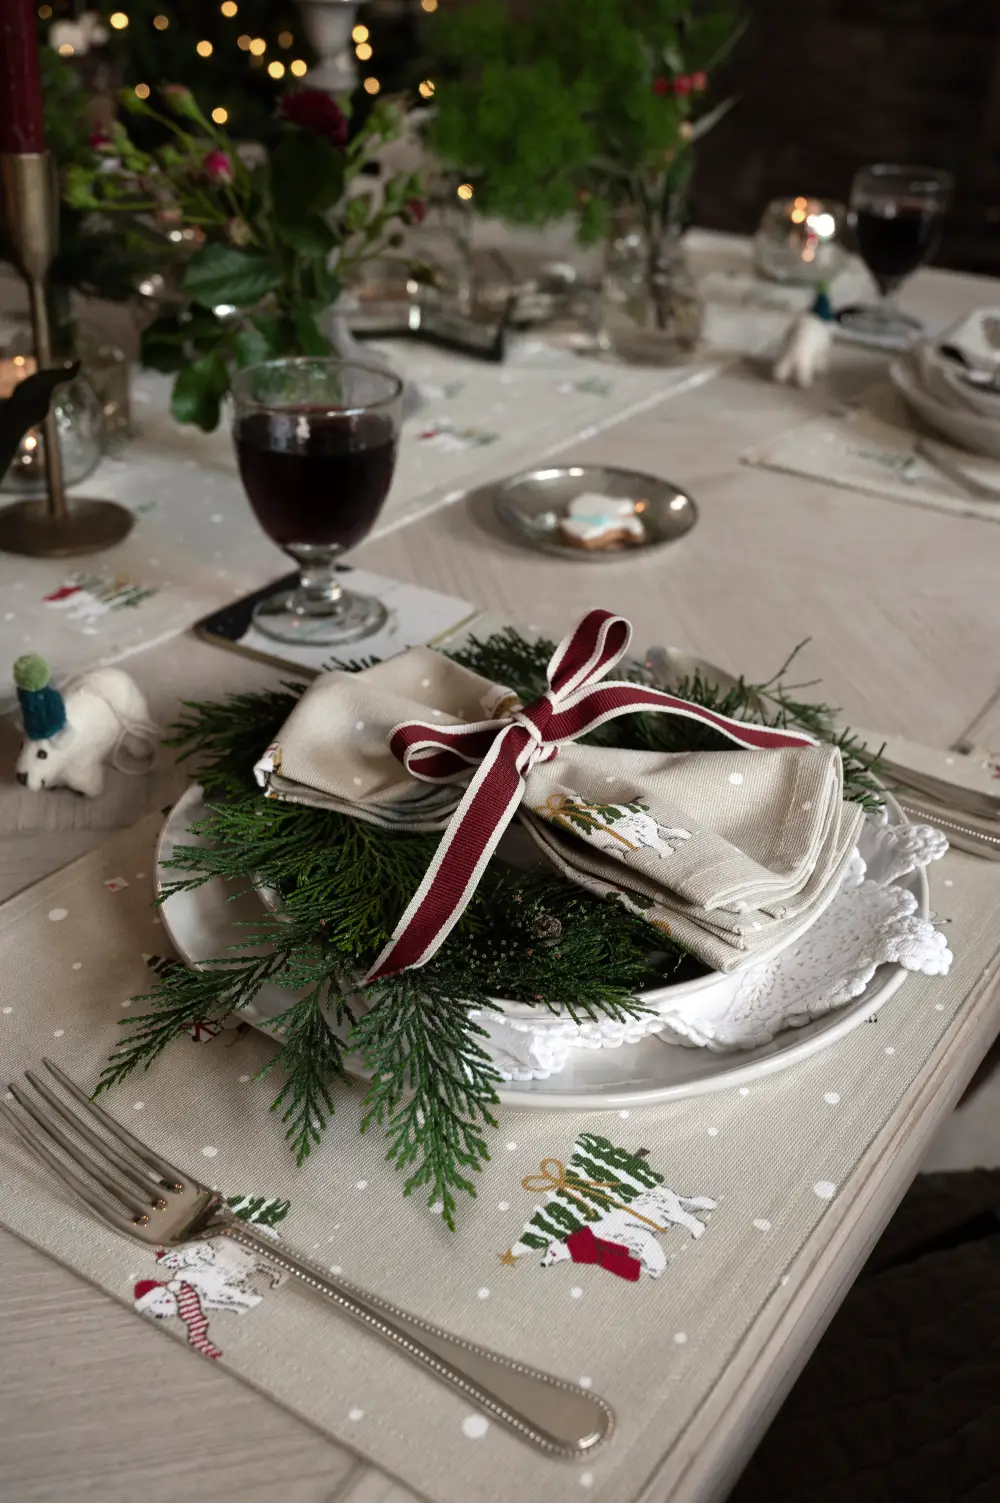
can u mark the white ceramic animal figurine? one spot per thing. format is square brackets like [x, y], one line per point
[69, 736]
[808, 345]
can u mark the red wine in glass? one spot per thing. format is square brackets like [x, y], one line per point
[894, 239]
[898, 215]
[316, 477]
[316, 441]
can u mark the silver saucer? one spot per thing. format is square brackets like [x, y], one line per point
[531, 504]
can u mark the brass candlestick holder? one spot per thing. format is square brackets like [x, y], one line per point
[47, 527]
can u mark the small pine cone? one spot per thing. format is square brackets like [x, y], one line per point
[547, 929]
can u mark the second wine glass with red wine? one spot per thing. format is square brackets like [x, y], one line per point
[316, 441]
[898, 215]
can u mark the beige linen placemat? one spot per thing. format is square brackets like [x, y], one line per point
[874, 447]
[776, 1158]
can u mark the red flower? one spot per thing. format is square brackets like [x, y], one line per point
[415, 210]
[317, 113]
[661, 86]
[100, 140]
[217, 167]
[699, 82]
[684, 83]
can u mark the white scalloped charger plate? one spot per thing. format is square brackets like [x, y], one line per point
[203, 925]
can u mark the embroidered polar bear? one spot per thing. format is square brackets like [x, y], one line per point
[614, 828]
[636, 1226]
[221, 1271]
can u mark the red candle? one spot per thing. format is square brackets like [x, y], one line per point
[22, 124]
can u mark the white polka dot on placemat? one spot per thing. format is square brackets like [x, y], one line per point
[503, 1205]
[948, 882]
[7, 1011]
[744, 1090]
[362, 1184]
[680, 1337]
[355, 1414]
[585, 1382]
[586, 1479]
[57, 1033]
[357, 782]
[713, 1132]
[244, 1079]
[825, 1189]
[939, 1007]
[831, 1098]
[425, 683]
[436, 1208]
[623, 1115]
[359, 725]
[762, 1224]
[209, 1151]
[511, 1147]
[576, 1292]
[475, 1426]
[55, 914]
[736, 778]
[807, 805]
[77, 965]
[890, 1049]
[138, 1106]
[483, 1293]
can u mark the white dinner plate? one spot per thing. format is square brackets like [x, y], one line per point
[204, 923]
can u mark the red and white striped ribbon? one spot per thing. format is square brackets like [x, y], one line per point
[190, 1311]
[504, 751]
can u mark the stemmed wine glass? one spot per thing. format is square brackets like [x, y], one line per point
[316, 440]
[898, 214]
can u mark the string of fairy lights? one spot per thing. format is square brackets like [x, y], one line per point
[257, 47]
[277, 68]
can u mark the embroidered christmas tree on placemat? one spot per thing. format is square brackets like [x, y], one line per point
[607, 1206]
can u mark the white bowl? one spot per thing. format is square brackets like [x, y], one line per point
[978, 435]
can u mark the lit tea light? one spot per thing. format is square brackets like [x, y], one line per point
[799, 240]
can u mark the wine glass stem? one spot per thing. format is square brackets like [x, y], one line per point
[318, 592]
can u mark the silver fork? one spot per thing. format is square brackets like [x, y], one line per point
[162, 1205]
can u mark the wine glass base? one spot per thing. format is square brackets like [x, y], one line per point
[885, 329]
[352, 618]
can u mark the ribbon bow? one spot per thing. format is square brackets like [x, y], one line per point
[554, 1177]
[503, 752]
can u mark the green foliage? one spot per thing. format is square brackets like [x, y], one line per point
[530, 936]
[272, 229]
[578, 105]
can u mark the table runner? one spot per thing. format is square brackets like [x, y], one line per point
[749, 1182]
[874, 447]
[196, 546]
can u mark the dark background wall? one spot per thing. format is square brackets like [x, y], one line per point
[827, 85]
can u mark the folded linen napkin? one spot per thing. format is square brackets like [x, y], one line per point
[728, 851]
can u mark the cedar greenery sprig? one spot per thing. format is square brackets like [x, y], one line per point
[529, 936]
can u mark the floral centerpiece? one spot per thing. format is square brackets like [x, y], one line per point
[277, 233]
[587, 109]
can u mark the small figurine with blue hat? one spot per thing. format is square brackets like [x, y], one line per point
[808, 344]
[70, 735]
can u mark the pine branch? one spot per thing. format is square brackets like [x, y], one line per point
[433, 1086]
[182, 998]
[312, 1058]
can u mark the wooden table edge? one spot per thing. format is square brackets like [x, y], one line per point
[701, 1467]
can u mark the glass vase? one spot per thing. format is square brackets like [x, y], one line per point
[652, 311]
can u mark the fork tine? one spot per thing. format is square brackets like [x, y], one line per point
[139, 1211]
[74, 1181]
[171, 1176]
[129, 1171]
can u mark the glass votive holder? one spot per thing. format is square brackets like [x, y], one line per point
[79, 424]
[800, 240]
